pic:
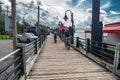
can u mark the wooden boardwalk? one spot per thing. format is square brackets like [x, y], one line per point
[57, 63]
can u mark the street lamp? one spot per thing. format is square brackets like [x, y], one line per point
[7, 11]
[38, 32]
[65, 17]
[71, 29]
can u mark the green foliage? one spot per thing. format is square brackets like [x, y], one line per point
[4, 37]
[36, 24]
[20, 28]
[1, 24]
[42, 26]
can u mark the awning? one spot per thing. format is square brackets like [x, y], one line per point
[110, 28]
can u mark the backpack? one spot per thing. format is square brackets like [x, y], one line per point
[67, 34]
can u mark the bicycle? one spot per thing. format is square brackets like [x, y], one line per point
[55, 40]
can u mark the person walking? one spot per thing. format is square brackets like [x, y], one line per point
[67, 39]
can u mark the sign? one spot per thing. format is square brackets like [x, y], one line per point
[8, 25]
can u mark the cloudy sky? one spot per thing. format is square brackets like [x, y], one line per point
[52, 11]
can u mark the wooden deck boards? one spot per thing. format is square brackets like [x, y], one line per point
[57, 63]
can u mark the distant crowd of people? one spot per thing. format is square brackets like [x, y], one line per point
[64, 34]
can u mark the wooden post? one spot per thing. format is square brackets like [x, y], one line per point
[23, 60]
[116, 66]
[14, 29]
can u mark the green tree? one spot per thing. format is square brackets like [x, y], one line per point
[20, 28]
[42, 26]
[1, 24]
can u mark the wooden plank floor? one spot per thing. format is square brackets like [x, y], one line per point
[57, 63]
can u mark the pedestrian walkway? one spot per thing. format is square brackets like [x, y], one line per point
[57, 63]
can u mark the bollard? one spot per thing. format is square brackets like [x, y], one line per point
[77, 42]
[88, 45]
[22, 60]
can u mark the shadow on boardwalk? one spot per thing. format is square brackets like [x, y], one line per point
[57, 63]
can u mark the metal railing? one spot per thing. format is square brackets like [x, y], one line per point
[103, 50]
[80, 43]
[104, 54]
[30, 49]
[13, 68]
[107, 55]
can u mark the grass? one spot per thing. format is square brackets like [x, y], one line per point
[4, 37]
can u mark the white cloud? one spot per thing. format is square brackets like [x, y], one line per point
[108, 4]
[6, 2]
[54, 8]
[58, 8]
[103, 13]
[114, 12]
[24, 1]
[80, 3]
[55, 11]
[111, 19]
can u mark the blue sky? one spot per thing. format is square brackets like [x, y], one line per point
[52, 11]
[115, 5]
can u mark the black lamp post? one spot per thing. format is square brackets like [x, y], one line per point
[71, 28]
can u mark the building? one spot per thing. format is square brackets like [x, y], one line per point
[111, 33]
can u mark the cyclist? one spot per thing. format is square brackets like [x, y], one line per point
[55, 37]
[67, 39]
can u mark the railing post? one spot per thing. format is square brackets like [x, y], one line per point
[88, 45]
[77, 42]
[35, 46]
[43, 37]
[40, 42]
[22, 60]
[37, 43]
[102, 50]
[116, 65]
